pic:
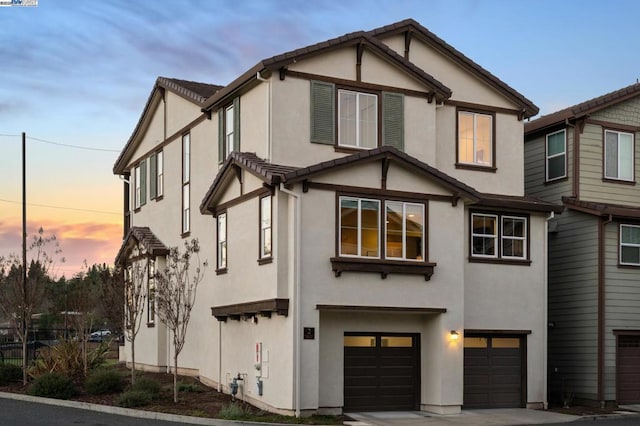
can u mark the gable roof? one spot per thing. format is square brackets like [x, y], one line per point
[412, 26]
[192, 91]
[602, 209]
[583, 109]
[143, 235]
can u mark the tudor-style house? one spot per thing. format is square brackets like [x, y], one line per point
[587, 158]
[361, 205]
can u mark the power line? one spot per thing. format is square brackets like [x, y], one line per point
[65, 144]
[61, 208]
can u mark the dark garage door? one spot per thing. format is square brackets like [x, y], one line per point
[381, 372]
[628, 369]
[493, 371]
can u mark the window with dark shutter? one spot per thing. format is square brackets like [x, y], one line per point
[221, 138]
[393, 120]
[143, 182]
[322, 113]
[236, 124]
[153, 191]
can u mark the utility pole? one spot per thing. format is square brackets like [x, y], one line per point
[24, 231]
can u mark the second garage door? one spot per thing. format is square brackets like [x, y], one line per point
[493, 371]
[628, 369]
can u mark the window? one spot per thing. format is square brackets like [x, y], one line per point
[358, 119]
[222, 241]
[630, 245]
[359, 227]
[618, 155]
[265, 227]
[475, 139]
[159, 174]
[228, 130]
[156, 181]
[136, 180]
[186, 174]
[404, 230]
[151, 292]
[140, 185]
[556, 155]
[495, 236]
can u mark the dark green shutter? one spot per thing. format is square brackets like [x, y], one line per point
[221, 144]
[236, 124]
[143, 182]
[323, 113]
[393, 120]
[153, 178]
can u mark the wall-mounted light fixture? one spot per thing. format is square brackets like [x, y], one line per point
[454, 335]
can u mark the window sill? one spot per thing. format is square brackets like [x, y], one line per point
[619, 181]
[185, 234]
[137, 209]
[151, 324]
[159, 198]
[556, 180]
[628, 266]
[265, 260]
[477, 168]
[520, 262]
[382, 266]
[221, 271]
[349, 149]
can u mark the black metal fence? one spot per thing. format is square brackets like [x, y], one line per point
[11, 346]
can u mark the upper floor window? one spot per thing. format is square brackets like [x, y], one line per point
[618, 155]
[156, 181]
[475, 139]
[358, 123]
[265, 227]
[556, 155]
[228, 130]
[630, 245]
[140, 184]
[496, 236]
[186, 177]
[404, 230]
[222, 242]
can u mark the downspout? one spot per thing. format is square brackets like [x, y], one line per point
[545, 330]
[601, 272]
[296, 296]
[220, 356]
[269, 101]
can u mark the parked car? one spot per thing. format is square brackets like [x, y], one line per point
[100, 335]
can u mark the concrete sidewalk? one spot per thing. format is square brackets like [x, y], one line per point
[490, 417]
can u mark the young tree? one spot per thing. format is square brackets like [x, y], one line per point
[135, 296]
[19, 300]
[176, 295]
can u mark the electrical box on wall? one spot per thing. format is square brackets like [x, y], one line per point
[258, 359]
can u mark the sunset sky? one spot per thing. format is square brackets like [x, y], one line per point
[78, 72]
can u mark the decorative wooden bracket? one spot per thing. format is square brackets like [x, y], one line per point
[359, 52]
[283, 73]
[385, 170]
[407, 43]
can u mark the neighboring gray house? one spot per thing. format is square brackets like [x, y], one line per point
[586, 157]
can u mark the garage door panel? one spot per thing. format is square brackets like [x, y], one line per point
[628, 369]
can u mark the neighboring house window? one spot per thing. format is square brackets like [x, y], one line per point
[404, 230]
[475, 139]
[358, 119]
[222, 241]
[186, 175]
[156, 181]
[618, 155]
[265, 227]
[495, 236]
[630, 245]
[151, 292]
[228, 130]
[140, 185]
[556, 155]
[359, 227]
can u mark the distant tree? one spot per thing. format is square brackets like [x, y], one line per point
[135, 296]
[111, 295]
[18, 300]
[176, 295]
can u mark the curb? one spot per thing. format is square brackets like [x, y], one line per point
[129, 412]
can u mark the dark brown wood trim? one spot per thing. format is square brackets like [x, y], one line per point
[185, 234]
[613, 126]
[619, 181]
[357, 84]
[468, 331]
[386, 162]
[625, 332]
[500, 261]
[265, 260]
[239, 200]
[381, 266]
[551, 182]
[468, 106]
[576, 163]
[380, 309]
[380, 193]
[174, 136]
[346, 149]
[407, 43]
[260, 307]
[473, 167]
[151, 324]
[359, 52]
[221, 271]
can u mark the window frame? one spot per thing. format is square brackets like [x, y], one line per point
[621, 244]
[550, 157]
[498, 256]
[359, 201]
[137, 187]
[229, 129]
[618, 179]
[186, 189]
[151, 291]
[221, 267]
[358, 145]
[404, 205]
[159, 175]
[492, 144]
[263, 231]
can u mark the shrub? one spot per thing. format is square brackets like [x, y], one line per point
[188, 387]
[10, 373]
[53, 385]
[133, 398]
[66, 358]
[148, 386]
[235, 411]
[103, 381]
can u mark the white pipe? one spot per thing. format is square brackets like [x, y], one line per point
[269, 102]
[219, 356]
[296, 295]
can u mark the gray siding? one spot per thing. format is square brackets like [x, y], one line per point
[592, 187]
[622, 303]
[573, 278]
[534, 170]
